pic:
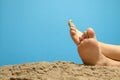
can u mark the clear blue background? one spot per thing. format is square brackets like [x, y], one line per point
[37, 30]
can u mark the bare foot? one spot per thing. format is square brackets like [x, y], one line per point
[90, 51]
[75, 34]
[88, 47]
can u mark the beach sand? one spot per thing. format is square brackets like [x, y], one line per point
[58, 71]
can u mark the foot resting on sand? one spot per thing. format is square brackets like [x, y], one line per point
[89, 49]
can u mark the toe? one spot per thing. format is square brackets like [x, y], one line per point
[80, 39]
[72, 31]
[91, 33]
[74, 35]
[84, 36]
[71, 24]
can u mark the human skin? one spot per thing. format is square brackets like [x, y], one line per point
[93, 52]
[111, 51]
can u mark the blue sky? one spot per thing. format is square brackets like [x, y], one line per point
[37, 30]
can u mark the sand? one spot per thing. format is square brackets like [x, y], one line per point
[58, 71]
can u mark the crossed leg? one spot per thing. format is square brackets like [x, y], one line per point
[89, 48]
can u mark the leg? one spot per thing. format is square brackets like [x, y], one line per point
[111, 51]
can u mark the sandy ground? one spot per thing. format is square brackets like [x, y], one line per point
[58, 71]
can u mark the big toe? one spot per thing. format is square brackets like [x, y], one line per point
[72, 30]
[71, 24]
[91, 33]
[74, 35]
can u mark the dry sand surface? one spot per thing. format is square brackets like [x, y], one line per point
[58, 71]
